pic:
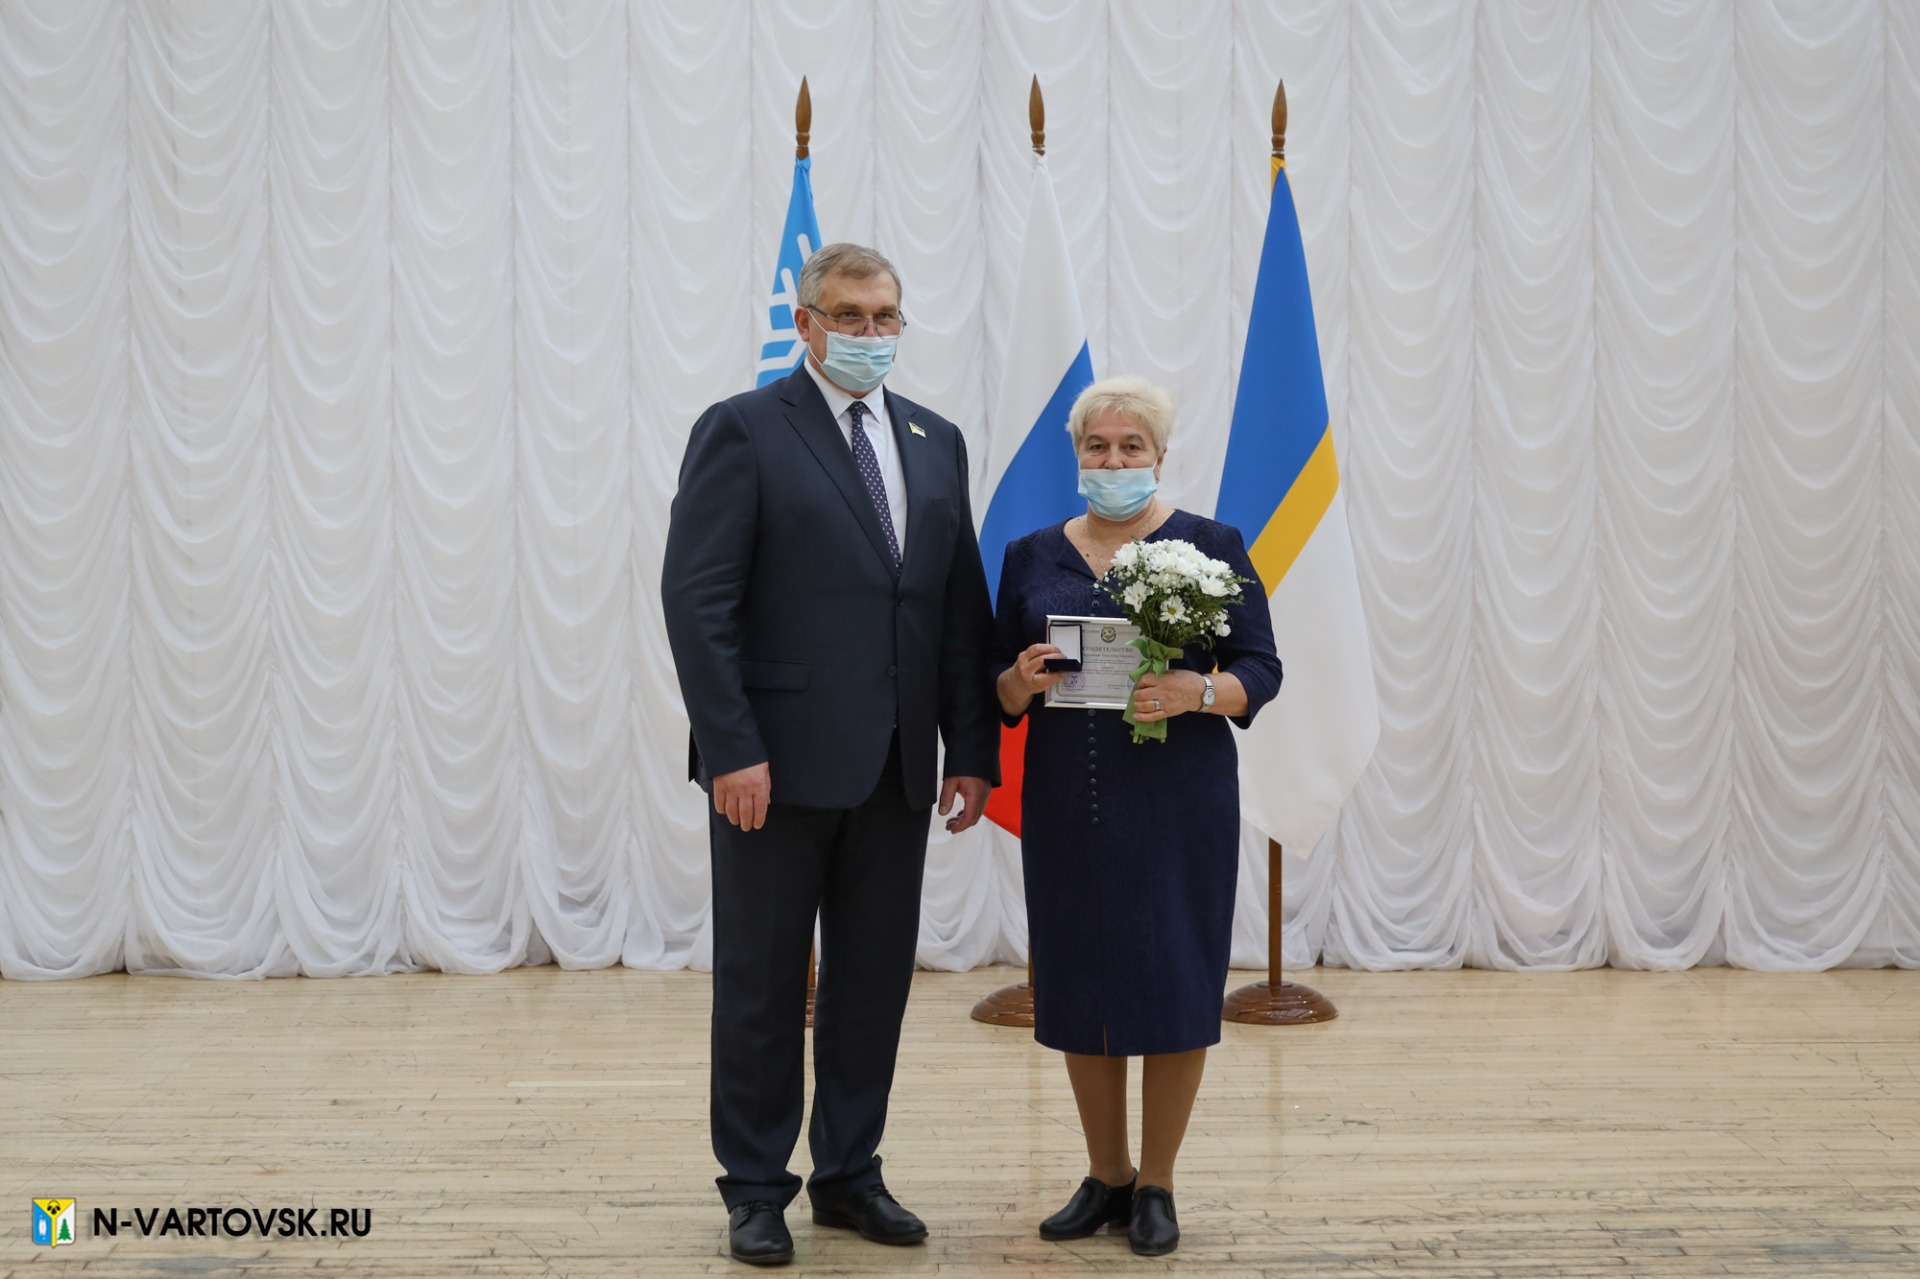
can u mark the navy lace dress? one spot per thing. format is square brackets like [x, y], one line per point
[1130, 852]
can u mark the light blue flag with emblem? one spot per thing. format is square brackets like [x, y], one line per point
[782, 349]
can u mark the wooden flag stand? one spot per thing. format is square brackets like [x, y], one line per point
[1274, 1002]
[802, 125]
[1009, 1005]
[1013, 1005]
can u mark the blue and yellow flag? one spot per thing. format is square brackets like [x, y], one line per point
[1281, 489]
[1280, 476]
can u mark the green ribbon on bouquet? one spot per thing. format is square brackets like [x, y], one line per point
[1154, 657]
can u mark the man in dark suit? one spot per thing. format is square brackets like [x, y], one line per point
[829, 617]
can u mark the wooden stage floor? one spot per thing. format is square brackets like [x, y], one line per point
[549, 1123]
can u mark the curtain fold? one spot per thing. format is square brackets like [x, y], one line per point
[347, 354]
[1664, 239]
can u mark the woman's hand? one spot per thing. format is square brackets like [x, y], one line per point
[1020, 683]
[1164, 696]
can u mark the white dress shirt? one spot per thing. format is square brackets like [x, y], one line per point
[879, 429]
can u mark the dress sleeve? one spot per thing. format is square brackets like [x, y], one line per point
[1007, 610]
[1246, 652]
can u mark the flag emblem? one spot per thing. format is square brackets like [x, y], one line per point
[914, 427]
[52, 1222]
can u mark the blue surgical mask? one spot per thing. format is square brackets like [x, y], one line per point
[1118, 495]
[858, 364]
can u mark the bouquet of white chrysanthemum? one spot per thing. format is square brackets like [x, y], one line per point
[1175, 595]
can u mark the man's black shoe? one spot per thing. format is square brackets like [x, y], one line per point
[875, 1214]
[757, 1234]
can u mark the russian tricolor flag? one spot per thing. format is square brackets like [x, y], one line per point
[1031, 477]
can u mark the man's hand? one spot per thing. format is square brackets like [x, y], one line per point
[742, 797]
[973, 795]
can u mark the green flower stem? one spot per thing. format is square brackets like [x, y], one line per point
[1154, 657]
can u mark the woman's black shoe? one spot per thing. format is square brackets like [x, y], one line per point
[1093, 1205]
[1153, 1231]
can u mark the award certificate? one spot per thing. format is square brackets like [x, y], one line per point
[1105, 678]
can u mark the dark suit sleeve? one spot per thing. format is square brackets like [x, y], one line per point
[710, 541]
[1247, 651]
[967, 705]
[1007, 646]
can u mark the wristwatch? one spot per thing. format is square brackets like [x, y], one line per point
[1206, 698]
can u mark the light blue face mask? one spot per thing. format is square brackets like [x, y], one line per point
[1118, 495]
[858, 364]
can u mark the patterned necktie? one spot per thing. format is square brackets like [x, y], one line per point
[868, 463]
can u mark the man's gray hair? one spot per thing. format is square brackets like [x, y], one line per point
[855, 261]
[1136, 397]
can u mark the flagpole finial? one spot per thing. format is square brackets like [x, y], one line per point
[1280, 120]
[802, 120]
[1037, 117]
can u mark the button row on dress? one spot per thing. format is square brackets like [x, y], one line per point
[1093, 780]
[1093, 771]
[1093, 741]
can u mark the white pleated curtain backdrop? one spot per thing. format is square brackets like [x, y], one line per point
[347, 353]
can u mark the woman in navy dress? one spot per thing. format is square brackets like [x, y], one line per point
[1130, 850]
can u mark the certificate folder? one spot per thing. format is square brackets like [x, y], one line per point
[1104, 681]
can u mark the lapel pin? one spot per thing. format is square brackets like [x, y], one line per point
[916, 430]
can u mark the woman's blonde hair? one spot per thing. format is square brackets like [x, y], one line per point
[1134, 396]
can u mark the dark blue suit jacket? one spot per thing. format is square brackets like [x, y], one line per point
[795, 641]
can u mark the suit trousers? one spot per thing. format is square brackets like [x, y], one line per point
[860, 869]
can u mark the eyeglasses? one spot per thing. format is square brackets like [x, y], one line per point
[853, 324]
